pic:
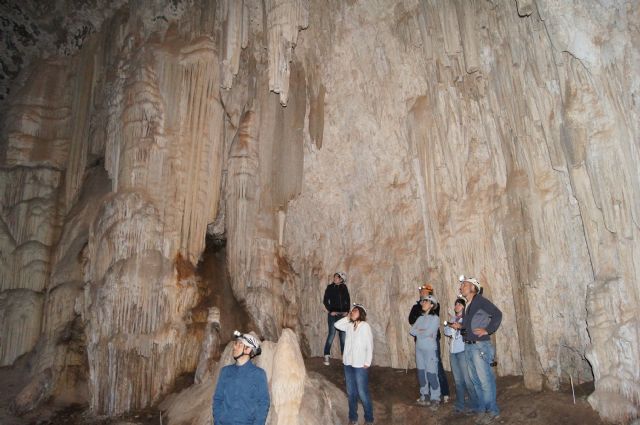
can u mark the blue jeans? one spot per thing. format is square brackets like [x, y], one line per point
[331, 320]
[357, 379]
[479, 358]
[463, 383]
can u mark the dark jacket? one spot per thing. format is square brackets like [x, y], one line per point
[242, 396]
[416, 311]
[336, 298]
[480, 313]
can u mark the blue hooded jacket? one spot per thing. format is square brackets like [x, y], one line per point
[241, 396]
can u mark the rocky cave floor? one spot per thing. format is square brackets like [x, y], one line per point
[393, 392]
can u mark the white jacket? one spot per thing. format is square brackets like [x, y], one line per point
[358, 345]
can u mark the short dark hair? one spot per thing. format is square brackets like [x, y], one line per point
[461, 301]
[362, 314]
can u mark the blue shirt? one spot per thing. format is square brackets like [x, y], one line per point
[242, 396]
[425, 329]
[457, 343]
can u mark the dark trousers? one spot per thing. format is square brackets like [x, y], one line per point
[442, 377]
[331, 320]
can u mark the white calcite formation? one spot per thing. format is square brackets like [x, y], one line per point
[401, 142]
[297, 398]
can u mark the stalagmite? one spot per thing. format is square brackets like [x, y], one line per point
[210, 345]
[287, 383]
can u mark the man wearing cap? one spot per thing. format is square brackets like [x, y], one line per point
[416, 311]
[242, 394]
[482, 319]
[336, 301]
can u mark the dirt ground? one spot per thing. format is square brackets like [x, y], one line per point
[393, 392]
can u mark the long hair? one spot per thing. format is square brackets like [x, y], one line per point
[362, 315]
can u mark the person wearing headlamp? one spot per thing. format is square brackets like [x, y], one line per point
[358, 353]
[242, 393]
[481, 319]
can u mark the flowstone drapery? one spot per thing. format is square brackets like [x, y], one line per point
[421, 139]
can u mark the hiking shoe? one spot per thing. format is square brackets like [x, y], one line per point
[326, 363]
[445, 399]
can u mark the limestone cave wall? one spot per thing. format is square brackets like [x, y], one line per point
[399, 141]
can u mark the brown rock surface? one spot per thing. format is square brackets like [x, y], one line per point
[421, 139]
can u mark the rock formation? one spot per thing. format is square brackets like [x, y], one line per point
[401, 142]
[297, 398]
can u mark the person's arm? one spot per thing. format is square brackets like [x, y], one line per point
[432, 326]
[262, 398]
[414, 329]
[368, 353]
[496, 317]
[218, 398]
[347, 306]
[342, 324]
[416, 311]
[448, 330]
[326, 300]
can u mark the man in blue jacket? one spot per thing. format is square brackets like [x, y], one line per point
[481, 320]
[242, 394]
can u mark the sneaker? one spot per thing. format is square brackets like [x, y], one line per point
[353, 423]
[326, 362]
[487, 418]
[435, 405]
[445, 399]
[480, 419]
[422, 401]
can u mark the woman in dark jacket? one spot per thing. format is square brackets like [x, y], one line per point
[337, 302]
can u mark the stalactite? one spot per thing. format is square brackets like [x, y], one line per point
[241, 202]
[84, 75]
[164, 146]
[235, 35]
[284, 19]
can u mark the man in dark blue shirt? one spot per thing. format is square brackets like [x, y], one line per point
[481, 320]
[242, 393]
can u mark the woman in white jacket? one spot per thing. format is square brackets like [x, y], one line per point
[358, 352]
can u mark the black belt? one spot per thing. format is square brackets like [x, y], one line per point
[470, 342]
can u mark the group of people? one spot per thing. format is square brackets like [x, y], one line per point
[472, 354]
[242, 396]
